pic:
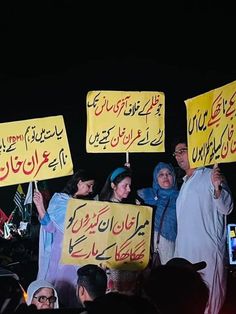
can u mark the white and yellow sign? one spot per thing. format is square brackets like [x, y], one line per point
[34, 149]
[120, 121]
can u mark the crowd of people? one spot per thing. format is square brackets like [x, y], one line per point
[187, 251]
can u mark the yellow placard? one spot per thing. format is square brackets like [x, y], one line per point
[112, 234]
[211, 126]
[120, 121]
[232, 234]
[34, 149]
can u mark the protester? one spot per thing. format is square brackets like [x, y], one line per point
[202, 205]
[162, 196]
[117, 186]
[177, 290]
[117, 189]
[91, 283]
[63, 277]
[43, 295]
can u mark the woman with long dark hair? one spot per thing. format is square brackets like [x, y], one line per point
[117, 189]
[62, 276]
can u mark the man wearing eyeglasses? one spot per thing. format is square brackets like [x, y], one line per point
[202, 205]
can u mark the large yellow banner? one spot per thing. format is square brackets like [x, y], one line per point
[112, 234]
[120, 121]
[211, 126]
[34, 149]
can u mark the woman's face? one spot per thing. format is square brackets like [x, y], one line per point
[122, 189]
[43, 298]
[84, 188]
[165, 178]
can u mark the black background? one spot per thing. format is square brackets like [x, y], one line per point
[54, 52]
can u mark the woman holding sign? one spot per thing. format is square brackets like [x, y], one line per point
[63, 277]
[117, 189]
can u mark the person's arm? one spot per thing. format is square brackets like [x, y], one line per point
[38, 201]
[43, 217]
[217, 179]
[222, 195]
[138, 199]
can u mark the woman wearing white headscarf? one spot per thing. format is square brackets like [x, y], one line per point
[42, 294]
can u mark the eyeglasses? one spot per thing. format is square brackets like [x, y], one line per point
[44, 299]
[180, 151]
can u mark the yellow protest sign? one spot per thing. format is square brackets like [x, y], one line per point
[120, 121]
[34, 149]
[211, 126]
[113, 234]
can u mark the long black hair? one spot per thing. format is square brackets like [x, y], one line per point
[83, 175]
[116, 176]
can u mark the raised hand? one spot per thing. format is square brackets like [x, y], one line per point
[38, 201]
[216, 177]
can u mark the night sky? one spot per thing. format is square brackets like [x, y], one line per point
[54, 52]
